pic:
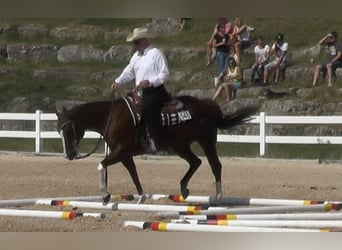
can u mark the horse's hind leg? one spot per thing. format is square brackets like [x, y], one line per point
[194, 163]
[209, 149]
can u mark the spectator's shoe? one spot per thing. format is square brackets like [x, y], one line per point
[209, 62]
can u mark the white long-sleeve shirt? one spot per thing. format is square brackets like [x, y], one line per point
[151, 66]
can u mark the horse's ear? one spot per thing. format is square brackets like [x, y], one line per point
[59, 113]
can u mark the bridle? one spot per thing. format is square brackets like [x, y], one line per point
[72, 123]
[75, 142]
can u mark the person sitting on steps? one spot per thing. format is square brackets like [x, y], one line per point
[233, 81]
[261, 52]
[280, 49]
[334, 59]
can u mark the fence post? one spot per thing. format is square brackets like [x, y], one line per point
[38, 129]
[262, 133]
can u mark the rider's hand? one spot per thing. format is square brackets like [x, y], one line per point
[145, 84]
[114, 86]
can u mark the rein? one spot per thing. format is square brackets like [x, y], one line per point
[104, 133]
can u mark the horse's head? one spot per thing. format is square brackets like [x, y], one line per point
[70, 133]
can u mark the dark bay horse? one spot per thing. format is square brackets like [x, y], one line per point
[113, 120]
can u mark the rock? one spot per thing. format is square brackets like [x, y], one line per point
[118, 54]
[297, 107]
[35, 53]
[8, 29]
[305, 93]
[311, 52]
[163, 27]
[178, 76]
[249, 92]
[203, 76]
[116, 35]
[237, 103]
[77, 33]
[105, 76]
[198, 93]
[74, 53]
[33, 31]
[10, 71]
[299, 72]
[30, 105]
[81, 91]
[68, 104]
[181, 54]
[339, 73]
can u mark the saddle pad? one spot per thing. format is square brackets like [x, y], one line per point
[167, 119]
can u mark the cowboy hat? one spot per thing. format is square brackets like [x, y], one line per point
[139, 33]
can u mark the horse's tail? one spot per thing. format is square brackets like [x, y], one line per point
[240, 116]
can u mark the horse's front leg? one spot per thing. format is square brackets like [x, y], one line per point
[128, 162]
[102, 168]
[104, 183]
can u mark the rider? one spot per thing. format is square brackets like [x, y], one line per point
[148, 66]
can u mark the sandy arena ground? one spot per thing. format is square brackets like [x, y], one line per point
[29, 176]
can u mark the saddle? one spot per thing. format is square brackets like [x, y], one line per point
[173, 112]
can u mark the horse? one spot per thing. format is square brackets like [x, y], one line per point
[114, 121]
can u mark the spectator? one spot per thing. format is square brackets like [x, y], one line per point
[240, 38]
[334, 60]
[233, 81]
[221, 44]
[280, 49]
[211, 52]
[262, 55]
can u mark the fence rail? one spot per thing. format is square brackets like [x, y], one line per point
[262, 138]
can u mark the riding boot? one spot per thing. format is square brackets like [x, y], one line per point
[153, 100]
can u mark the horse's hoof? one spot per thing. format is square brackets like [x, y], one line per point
[185, 193]
[142, 199]
[218, 196]
[106, 197]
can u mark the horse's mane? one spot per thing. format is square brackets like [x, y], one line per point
[87, 105]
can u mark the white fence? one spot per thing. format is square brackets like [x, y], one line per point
[262, 139]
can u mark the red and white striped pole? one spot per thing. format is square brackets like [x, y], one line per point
[258, 210]
[285, 216]
[237, 201]
[121, 206]
[48, 214]
[317, 224]
[178, 227]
